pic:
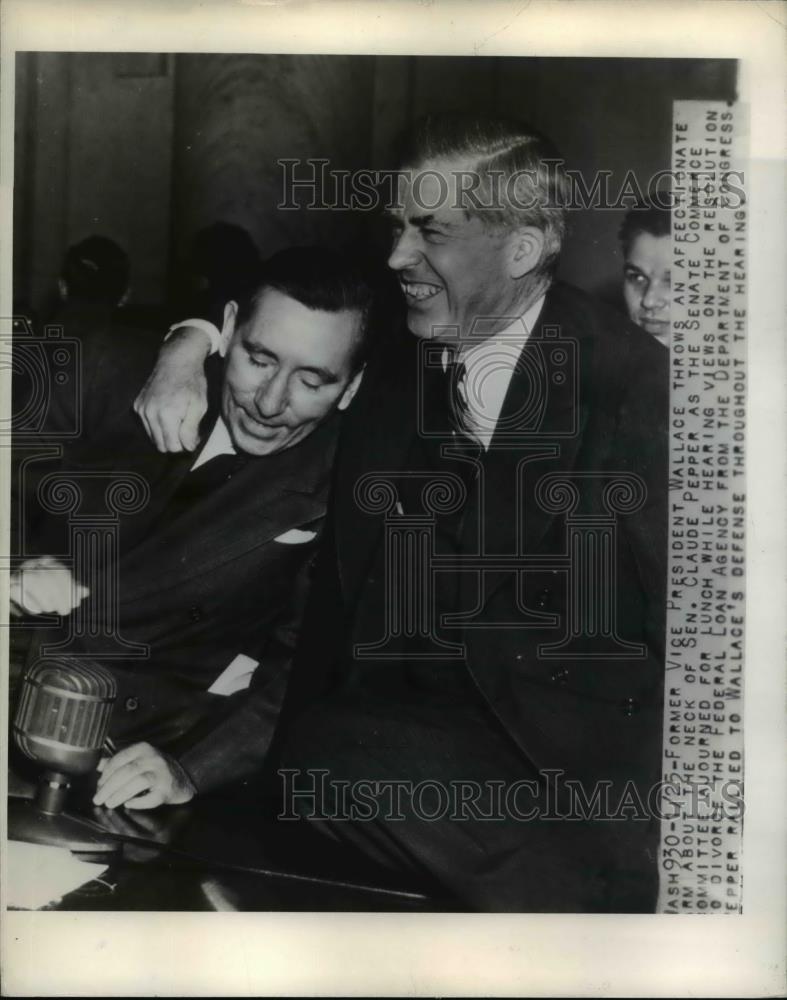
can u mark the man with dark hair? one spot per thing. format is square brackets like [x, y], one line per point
[212, 571]
[645, 238]
[477, 690]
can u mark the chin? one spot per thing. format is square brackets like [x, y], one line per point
[427, 327]
[250, 445]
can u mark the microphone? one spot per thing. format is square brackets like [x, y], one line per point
[61, 723]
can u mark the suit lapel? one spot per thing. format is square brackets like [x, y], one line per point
[166, 472]
[540, 432]
[262, 500]
[379, 432]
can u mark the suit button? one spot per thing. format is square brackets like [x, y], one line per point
[629, 706]
[560, 677]
[543, 598]
[195, 613]
[131, 704]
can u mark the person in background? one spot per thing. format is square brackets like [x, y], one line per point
[645, 238]
[95, 272]
[222, 263]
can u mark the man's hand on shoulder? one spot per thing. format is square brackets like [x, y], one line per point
[142, 777]
[174, 399]
[44, 586]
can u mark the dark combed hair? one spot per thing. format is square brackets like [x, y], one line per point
[510, 157]
[96, 270]
[647, 217]
[320, 278]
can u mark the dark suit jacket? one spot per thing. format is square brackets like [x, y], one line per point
[596, 719]
[196, 589]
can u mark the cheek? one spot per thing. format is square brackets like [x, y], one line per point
[239, 377]
[466, 279]
[307, 406]
[632, 295]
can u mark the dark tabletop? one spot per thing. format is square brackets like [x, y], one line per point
[226, 852]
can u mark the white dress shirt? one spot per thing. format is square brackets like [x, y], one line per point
[219, 443]
[489, 367]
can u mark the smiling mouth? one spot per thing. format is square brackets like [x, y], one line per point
[419, 291]
[258, 427]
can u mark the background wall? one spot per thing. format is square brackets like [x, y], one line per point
[94, 135]
[148, 148]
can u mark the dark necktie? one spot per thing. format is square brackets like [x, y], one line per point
[211, 475]
[200, 483]
[456, 397]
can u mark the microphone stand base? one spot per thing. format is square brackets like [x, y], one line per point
[27, 823]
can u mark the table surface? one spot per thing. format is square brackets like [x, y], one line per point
[223, 853]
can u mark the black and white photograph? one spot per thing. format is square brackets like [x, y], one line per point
[378, 505]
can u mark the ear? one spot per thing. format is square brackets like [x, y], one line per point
[229, 321]
[525, 250]
[62, 289]
[352, 387]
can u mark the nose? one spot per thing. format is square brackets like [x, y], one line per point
[271, 397]
[405, 252]
[656, 296]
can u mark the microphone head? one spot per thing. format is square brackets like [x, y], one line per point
[63, 713]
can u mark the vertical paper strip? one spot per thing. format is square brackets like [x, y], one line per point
[702, 805]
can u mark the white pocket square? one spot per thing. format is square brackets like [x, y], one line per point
[296, 536]
[236, 677]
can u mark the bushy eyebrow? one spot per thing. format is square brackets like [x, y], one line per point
[425, 221]
[327, 376]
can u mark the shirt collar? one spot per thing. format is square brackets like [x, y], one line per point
[219, 443]
[489, 365]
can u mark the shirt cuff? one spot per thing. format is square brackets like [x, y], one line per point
[218, 343]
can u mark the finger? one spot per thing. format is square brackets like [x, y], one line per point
[157, 431]
[16, 609]
[117, 823]
[189, 428]
[38, 562]
[30, 603]
[128, 789]
[148, 800]
[142, 413]
[136, 753]
[162, 434]
[170, 431]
